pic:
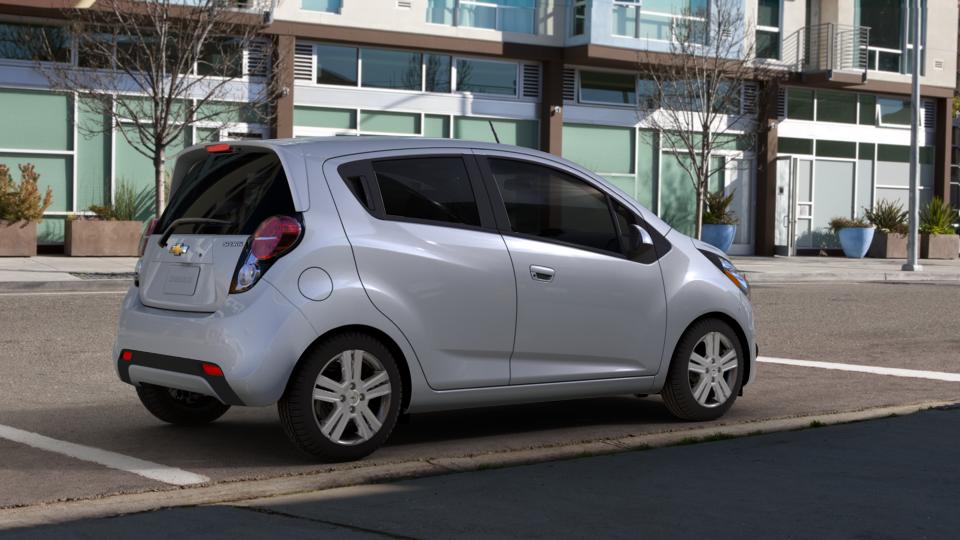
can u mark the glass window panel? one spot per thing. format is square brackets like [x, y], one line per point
[518, 132]
[789, 145]
[220, 57]
[625, 20]
[56, 172]
[36, 120]
[868, 109]
[400, 70]
[619, 88]
[93, 157]
[33, 42]
[832, 193]
[884, 17]
[321, 117]
[653, 26]
[436, 126]
[336, 65]
[477, 16]
[579, 17]
[888, 61]
[799, 104]
[768, 13]
[330, 6]
[553, 205]
[440, 11]
[841, 149]
[601, 149]
[518, 16]
[866, 151]
[894, 195]
[626, 182]
[647, 164]
[437, 72]
[804, 180]
[768, 44]
[864, 185]
[433, 189]
[483, 77]
[390, 122]
[836, 107]
[894, 153]
[892, 173]
[678, 199]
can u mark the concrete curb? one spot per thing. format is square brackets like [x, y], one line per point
[73, 285]
[849, 277]
[250, 491]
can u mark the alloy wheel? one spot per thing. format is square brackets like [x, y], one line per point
[712, 370]
[351, 397]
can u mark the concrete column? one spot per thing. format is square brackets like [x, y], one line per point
[767, 149]
[943, 145]
[283, 80]
[551, 108]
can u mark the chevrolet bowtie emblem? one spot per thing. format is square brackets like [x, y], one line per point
[179, 249]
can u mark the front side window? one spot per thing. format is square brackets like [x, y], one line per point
[336, 65]
[553, 205]
[431, 189]
[399, 70]
[484, 77]
[618, 88]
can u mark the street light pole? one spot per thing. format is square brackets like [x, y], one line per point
[913, 262]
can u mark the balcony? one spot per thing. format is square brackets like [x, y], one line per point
[830, 53]
[651, 25]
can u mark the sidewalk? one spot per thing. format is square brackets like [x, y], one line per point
[58, 272]
[798, 269]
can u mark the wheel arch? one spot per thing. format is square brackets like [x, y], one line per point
[383, 337]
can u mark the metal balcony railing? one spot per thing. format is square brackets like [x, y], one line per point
[829, 47]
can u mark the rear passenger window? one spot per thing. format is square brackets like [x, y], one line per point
[554, 205]
[432, 189]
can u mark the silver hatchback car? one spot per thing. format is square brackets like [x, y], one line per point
[352, 280]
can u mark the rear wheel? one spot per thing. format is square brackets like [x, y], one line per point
[343, 401]
[180, 406]
[705, 373]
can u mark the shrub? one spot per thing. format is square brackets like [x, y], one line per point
[124, 207]
[715, 209]
[22, 202]
[938, 217]
[838, 223]
[888, 217]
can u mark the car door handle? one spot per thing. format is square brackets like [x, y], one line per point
[542, 273]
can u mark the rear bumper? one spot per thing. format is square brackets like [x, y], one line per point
[256, 339]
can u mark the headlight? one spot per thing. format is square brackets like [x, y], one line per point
[733, 274]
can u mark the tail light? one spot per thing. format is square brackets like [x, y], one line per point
[272, 239]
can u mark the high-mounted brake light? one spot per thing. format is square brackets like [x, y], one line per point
[219, 148]
[274, 236]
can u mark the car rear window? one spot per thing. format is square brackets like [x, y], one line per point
[243, 188]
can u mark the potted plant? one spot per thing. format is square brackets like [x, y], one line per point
[890, 239]
[938, 239]
[855, 235]
[719, 224]
[112, 231]
[21, 208]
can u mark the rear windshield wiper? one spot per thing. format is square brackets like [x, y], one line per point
[188, 221]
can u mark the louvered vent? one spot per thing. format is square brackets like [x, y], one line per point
[303, 62]
[258, 58]
[569, 84]
[929, 114]
[748, 98]
[531, 80]
[404, 4]
[781, 103]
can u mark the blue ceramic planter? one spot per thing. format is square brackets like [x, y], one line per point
[855, 241]
[719, 236]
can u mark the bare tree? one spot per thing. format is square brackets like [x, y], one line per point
[693, 95]
[155, 68]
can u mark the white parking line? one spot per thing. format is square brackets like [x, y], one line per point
[59, 293]
[147, 469]
[876, 370]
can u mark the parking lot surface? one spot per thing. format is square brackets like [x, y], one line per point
[57, 381]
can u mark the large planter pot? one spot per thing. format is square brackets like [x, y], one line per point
[718, 236]
[855, 241]
[18, 238]
[888, 246]
[95, 238]
[939, 246]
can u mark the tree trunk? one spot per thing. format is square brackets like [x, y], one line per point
[159, 189]
[698, 215]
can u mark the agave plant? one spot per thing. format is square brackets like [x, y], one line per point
[938, 217]
[716, 209]
[888, 217]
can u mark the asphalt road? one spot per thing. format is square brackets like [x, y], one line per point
[57, 380]
[888, 478]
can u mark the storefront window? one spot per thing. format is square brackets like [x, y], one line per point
[602, 87]
[336, 65]
[484, 77]
[836, 107]
[399, 70]
[799, 104]
[437, 72]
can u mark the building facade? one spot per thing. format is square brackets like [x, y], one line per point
[562, 76]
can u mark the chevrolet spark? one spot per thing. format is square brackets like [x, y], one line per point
[352, 280]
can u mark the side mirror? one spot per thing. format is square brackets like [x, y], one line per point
[639, 237]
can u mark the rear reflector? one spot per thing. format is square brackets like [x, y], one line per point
[219, 148]
[126, 356]
[212, 370]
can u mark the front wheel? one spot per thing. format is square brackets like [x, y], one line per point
[705, 373]
[180, 406]
[343, 401]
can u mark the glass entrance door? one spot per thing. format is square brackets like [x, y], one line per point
[783, 237]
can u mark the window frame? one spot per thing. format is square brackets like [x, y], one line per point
[505, 228]
[376, 207]
[778, 30]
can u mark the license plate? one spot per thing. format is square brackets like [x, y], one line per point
[182, 280]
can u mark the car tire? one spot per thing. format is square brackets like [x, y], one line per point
[179, 406]
[335, 413]
[701, 384]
